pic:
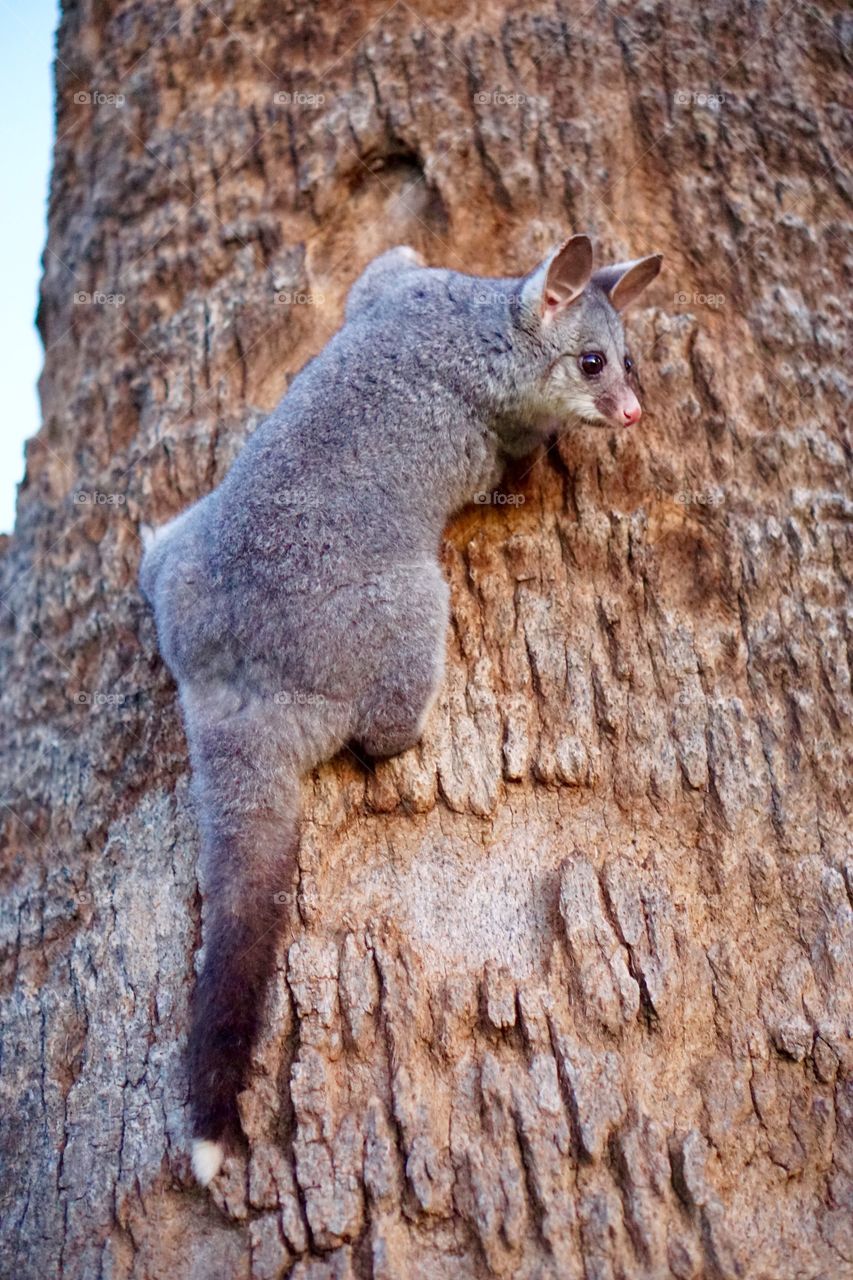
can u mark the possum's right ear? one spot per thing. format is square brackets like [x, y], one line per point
[624, 282]
[566, 275]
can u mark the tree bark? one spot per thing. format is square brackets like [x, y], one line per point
[570, 995]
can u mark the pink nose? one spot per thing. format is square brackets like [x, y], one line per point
[632, 413]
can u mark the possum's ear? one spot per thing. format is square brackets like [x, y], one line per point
[625, 281]
[566, 276]
[560, 280]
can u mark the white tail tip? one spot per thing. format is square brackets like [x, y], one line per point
[146, 533]
[207, 1160]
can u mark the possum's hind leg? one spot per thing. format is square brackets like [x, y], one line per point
[381, 273]
[395, 707]
[247, 793]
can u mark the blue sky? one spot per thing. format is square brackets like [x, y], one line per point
[26, 134]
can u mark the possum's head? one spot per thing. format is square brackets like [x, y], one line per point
[588, 373]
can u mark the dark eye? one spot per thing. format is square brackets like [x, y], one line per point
[591, 363]
[629, 365]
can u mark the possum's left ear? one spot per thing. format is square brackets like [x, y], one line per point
[566, 277]
[625, 281]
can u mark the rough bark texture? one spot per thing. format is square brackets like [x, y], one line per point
[572, 993]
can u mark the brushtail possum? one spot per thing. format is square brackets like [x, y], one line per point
[300, 605]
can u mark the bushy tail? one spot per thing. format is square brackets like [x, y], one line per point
[249, 845]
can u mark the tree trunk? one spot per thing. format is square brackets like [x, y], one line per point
[571, 991]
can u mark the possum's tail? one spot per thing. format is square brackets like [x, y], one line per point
[248, 799]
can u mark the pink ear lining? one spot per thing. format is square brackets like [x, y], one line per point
[554, 301]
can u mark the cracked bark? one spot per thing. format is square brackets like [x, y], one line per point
[571, 991]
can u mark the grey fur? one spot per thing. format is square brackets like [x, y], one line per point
[301, 604]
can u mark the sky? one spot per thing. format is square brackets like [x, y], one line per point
[26, 134]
